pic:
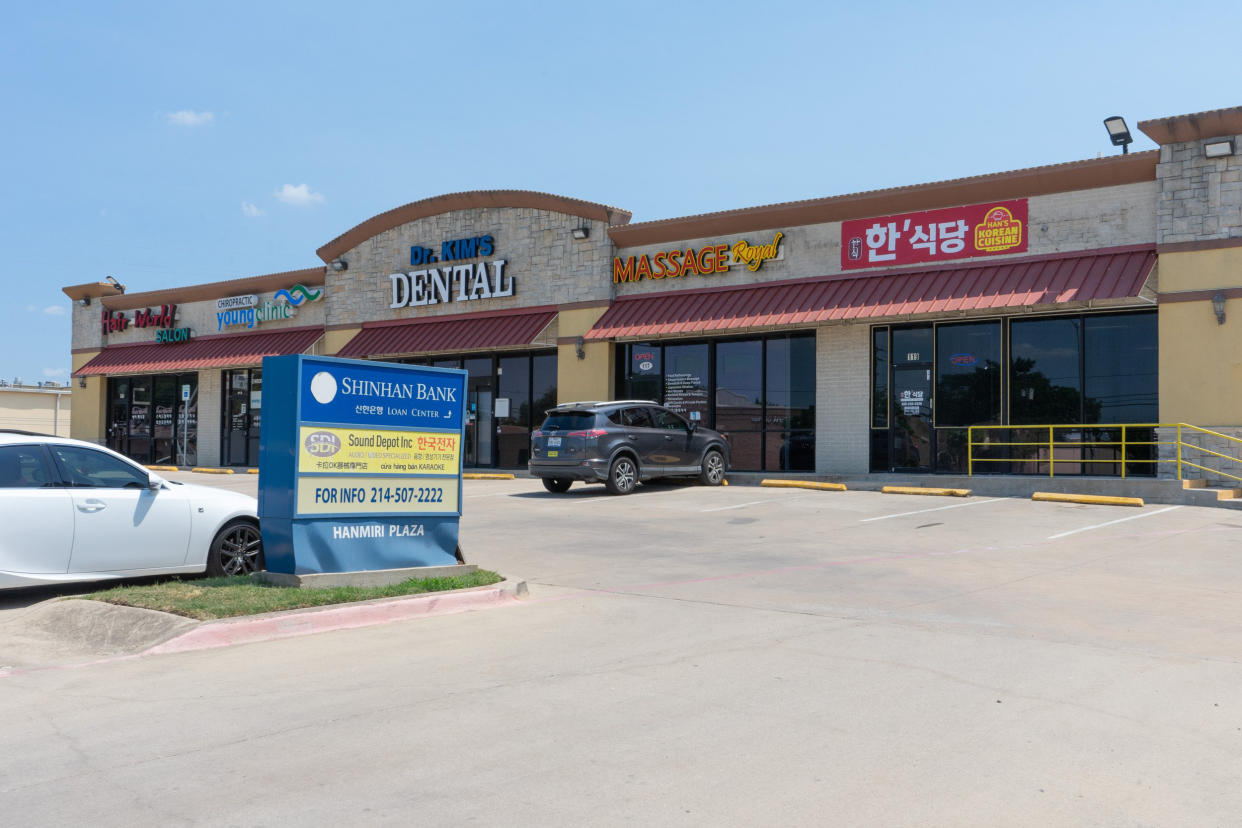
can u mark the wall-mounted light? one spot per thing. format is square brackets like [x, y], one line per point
[1118, 132]
[81, 382]
[85, 300]
[112, 281]
[1218, 306]
[1219, 148]
[579, 347]
[339, 265]
[581, 232]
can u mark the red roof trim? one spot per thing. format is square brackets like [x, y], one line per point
[214, 351]
[1116, 273]
[443, 334]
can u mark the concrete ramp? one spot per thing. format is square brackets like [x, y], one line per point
[75, 630]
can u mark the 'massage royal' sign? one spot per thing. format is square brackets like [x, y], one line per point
[706, 261]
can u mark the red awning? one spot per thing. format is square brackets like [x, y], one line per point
[466, 332]
[223, 351]
[1050, 280]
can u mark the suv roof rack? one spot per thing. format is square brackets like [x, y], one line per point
[592, 403]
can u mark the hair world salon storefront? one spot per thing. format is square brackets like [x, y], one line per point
[838, 336]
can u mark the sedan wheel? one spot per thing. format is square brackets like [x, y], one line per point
[237, 550]
[622, 476]
[713, 471]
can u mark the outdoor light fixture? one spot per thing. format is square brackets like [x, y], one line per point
[1218, 149]
[339, 265]
[1118, 132]
[579, 349]
[1218, 305]
[85, 300]
[81, 382]
[581, 232]
[112, 281]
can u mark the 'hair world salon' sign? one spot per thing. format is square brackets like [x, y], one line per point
[706, 261]
[117, 321]
[465, 282]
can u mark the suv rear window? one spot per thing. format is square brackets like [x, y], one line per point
[568, 421]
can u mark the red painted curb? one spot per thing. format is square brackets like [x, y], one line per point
[307, 622]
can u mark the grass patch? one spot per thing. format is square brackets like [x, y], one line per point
[209, 598]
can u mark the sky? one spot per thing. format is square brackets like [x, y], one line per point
[170, 144]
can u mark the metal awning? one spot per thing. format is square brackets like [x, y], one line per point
[223, 351]
[464, 332]
[1118, 273]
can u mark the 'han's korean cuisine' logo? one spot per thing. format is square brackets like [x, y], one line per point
[998, 231]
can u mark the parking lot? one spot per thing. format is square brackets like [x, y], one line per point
[694, 655]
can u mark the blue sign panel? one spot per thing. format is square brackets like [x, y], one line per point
[359, 464]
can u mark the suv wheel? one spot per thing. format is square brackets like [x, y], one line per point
[622, 476]
[556, 484]
[713, 471]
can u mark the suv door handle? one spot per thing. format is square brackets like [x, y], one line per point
[92, 505]
[668, 437]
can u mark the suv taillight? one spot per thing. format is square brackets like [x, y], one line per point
[536, 433]
[594, 432]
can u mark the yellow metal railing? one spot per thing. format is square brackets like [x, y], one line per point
[1052, 444]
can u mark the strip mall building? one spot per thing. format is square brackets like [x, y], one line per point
[838, 336]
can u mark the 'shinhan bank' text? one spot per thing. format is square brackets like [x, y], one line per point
[399, 390]
[707, 260]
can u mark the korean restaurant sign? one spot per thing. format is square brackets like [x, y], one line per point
[707, 260]
[935, 235]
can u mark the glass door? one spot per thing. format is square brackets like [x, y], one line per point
[912, 435]
[480, 422]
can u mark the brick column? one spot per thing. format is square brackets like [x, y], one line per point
[842, 399]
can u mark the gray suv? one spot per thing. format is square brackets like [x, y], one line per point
[622, 442]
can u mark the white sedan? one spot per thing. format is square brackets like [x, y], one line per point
[74, 511]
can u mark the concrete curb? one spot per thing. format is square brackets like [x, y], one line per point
[1094, 500]
[202, 470]
[486, 476]
[925, 490]
[163, 468]
[277, 625]
[803, 484]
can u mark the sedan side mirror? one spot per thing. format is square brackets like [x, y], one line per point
[154, 482]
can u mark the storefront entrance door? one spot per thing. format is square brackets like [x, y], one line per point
[480, 425]
[912, 432]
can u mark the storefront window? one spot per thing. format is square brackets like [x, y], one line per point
[1121, 374]
[243, 405]
[879, 378]
[1046, 371]
[686, 370]
[513, 411]
[789, 419]
[760, 392]
[154, 426]
[739, 399]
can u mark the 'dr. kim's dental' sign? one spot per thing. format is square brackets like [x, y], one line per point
[359, 464]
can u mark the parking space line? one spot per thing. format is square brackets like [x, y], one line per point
[934, 509]
[1111, 522]
[750, 503]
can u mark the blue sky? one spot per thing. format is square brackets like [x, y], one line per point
[170, 144]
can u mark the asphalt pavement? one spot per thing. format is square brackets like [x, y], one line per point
[698, 656]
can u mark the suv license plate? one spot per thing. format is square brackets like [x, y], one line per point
[554, 441]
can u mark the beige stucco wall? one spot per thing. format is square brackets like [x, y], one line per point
[46, 411]
[589, 378]
[1200, 360]
[89, 403]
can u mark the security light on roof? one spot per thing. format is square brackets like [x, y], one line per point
[1118, 132]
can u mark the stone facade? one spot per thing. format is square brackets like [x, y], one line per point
[548, 264]
[1200, 198]
[1060, 223]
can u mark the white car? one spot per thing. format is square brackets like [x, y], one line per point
[74, 511]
